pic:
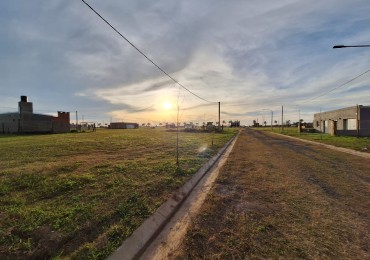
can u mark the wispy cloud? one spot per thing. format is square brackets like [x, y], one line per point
[250, 55]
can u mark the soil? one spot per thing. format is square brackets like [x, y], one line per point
[280, 198]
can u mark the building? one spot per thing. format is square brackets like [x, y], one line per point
[25, 121]
[123, 125]
[351, 121]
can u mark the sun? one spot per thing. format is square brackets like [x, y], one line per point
[167, 105]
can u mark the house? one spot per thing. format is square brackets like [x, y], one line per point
[25, 121]
[170, 125]
[351, 121]
[123, 125]
[189, 126]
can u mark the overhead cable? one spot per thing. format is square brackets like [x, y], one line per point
[150, 60]
[337, 87]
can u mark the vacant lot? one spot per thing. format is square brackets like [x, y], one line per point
[277, 198]
[80, 195]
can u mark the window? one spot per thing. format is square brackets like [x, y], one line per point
[349, 124]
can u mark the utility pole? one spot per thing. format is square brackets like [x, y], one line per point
[76, 122]
[272, 118]
[321, 128]
[299, 121]
[282, 118]
[219, 116]
[177, 135]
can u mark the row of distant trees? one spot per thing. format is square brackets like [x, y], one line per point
[287, 123]
[232, 123]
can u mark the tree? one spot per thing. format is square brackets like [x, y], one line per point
[265, 123]
[235, 123]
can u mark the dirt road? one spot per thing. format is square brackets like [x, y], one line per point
[280, 198]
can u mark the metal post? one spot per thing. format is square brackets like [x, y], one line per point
[219, 116]
[76, 122]
[177, 136]
[282, 118]
[272, 118]
[299, 121]
[320, 125]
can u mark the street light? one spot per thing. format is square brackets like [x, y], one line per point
[349, 46]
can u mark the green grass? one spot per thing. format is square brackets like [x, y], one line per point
[350, 142]
[79, 195]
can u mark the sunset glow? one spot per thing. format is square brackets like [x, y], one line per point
[167, 105]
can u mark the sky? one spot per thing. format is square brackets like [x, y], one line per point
[252, 56]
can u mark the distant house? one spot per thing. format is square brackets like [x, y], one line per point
[123, 125]
[170, 125]
[351, 121]
[25, 121]
[210, 126]
[189, 126]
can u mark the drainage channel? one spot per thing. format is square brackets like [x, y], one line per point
[162, 233]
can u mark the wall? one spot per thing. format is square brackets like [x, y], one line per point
[122, 125]
[61, 123]
[364, 120]
[9, 123]
[35, 123]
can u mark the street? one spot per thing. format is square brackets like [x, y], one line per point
[280, 198]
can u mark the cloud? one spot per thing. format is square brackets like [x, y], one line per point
[250, 55]
[140, 110]
[159, 86]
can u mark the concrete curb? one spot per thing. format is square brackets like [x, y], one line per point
[135, 245]
[341, 149]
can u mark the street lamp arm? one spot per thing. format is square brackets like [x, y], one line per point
[349, 46]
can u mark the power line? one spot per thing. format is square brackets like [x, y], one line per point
[337, 87]
[150, 60]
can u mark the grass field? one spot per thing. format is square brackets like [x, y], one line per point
[79, 195]
[359, 144]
